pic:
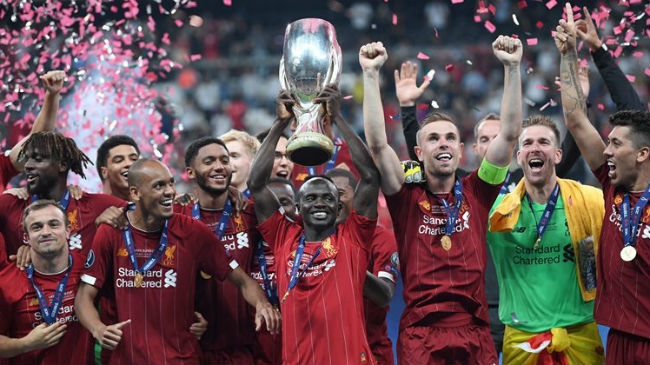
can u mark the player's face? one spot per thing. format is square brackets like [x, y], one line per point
[116, 171]
[46, 232]
[155, 192]
[211, 169]
[346, 196]
[240, 162]
[439, 148]
[538, 154]
[622, 157]
[485, 133]
[285, 196]
[319, 205]
[42, 172]
[282, 166]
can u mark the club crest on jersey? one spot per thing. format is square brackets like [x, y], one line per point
[364, 359]
[646, 216]
[170, 253]
[618, 199]
[90, 259]
[329, 249]
[425, 204]
[73, 218]
[122, 252]
[239, 223]
[33, 302]
[205, 275]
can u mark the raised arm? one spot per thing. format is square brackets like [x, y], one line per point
[620, 89]
[508, 51]
[265, 201]
[367, 191]
[573, 101]
[570, 151]
[46, 119]
[408, 93]
[371, 57]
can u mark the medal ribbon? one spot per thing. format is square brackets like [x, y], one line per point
[50, 312]
[504, 187]
[246, 193]
[271, 292]
[155, 256]
[64, 202]
[548, 211]
[221, 227]
[631, 224]
[295, 275]
[331, 163]
[452, 212]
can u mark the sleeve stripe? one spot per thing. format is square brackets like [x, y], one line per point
[387, 275]
[91, 280]
[234, 264]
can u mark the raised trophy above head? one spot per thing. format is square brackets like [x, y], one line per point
[311, 60]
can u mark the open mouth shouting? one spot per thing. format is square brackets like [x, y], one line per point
[443, 157]
[283, 173]
[612, 169]
[535, 164]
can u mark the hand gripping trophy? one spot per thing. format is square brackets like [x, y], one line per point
[311, 60]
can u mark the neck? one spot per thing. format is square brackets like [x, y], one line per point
[440, 184]
[108, 189]
[211, 201]
[540, 193]
[56, 192]
[144, 221]
[642, 180]
[241, 187]
[50, 265]
[317, 234]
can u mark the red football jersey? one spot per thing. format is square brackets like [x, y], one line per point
[436, 280]
[343, 160]
[162, 310]
[322, 318]
[384, 263]
[229, 316]
[20, 313]
[7, 171]
[81, 214]
[622, 300]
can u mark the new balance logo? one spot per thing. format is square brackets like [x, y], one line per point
[330, 264]
[242, 240]
[170, 279]
[75, 241]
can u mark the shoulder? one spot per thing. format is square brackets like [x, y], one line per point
[11, 277]
[103, 199]
[184, 225]
[105, 231]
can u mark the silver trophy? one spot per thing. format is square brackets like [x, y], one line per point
[311, 60]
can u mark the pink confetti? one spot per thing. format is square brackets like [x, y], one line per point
[227, 2]
[531, 41]
[422, 56]
[394, 19]
[647, 71]
[449, 67]
[601, 106]
[522, 4]
[178, 22]
[348, 97]
[539, 24]
[631, 78]
[195, 57]
[489, 26]
[540, 86]
[637, 54]
[550, 5]
[457, 1]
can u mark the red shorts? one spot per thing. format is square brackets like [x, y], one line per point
[268, 349]
[468, 343]
[232, 356]
[625, 348]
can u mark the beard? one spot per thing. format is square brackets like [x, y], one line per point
[42, 187]
[203, 185]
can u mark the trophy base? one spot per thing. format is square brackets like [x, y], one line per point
[310, 148]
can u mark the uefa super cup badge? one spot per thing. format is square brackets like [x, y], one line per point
[311, 60]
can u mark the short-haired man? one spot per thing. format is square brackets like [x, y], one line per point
[49, 157]
[282, 165]
[38, 324]
[153, 265]
[320, 266]
[242, 148]
[543, 237]
[443, 273]
[230, 334]
[383, 268]
[114, 157]
[623, 169]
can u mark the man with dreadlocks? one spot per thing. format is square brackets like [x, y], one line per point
[48, 157]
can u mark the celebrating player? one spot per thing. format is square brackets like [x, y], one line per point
[114, 157]
[242, 148]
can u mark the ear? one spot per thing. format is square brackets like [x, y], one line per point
[462, 150]
[134, 194]
[63, 166]
[340, 208]
[558, 156]
[67, 232]
[104, 172]
[418, 152]
[190, 173]
[643, 154]
[475, 148]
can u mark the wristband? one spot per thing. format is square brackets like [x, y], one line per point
[492, 174]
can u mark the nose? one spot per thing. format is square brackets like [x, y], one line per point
[169, 191]
[608, 151]
[29, 165]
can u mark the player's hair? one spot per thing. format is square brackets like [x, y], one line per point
[489, 116]
[543, 120]
[262, 135]
[436, 117]
[194, 147]
[251, 144]
[339, 172]
[57, 147]
[639, 123]
[40, 204]
[106, 147]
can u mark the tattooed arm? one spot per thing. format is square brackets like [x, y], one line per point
[573, 101]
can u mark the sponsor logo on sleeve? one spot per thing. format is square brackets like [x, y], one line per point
[90, 259]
